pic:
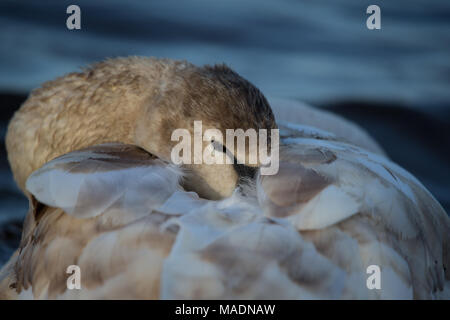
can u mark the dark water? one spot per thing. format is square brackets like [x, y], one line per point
[394, 81]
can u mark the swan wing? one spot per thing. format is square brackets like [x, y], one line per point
[360, 209]
[96, 209]
[298, 113]
[311, 231]
[87, 182]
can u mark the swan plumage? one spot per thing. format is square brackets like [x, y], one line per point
[104, 196]
[309, 232]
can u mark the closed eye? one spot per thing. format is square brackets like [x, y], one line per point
[221, 148]
[242, 170]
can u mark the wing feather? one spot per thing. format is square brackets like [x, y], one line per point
[85, 183]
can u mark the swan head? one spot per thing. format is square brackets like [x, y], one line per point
[219, 99]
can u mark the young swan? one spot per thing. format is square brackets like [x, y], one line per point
[138, 101]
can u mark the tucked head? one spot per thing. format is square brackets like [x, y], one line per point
[221, 100]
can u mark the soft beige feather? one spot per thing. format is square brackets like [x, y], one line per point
[309, 232]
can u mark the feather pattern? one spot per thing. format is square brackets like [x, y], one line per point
[309, 232]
